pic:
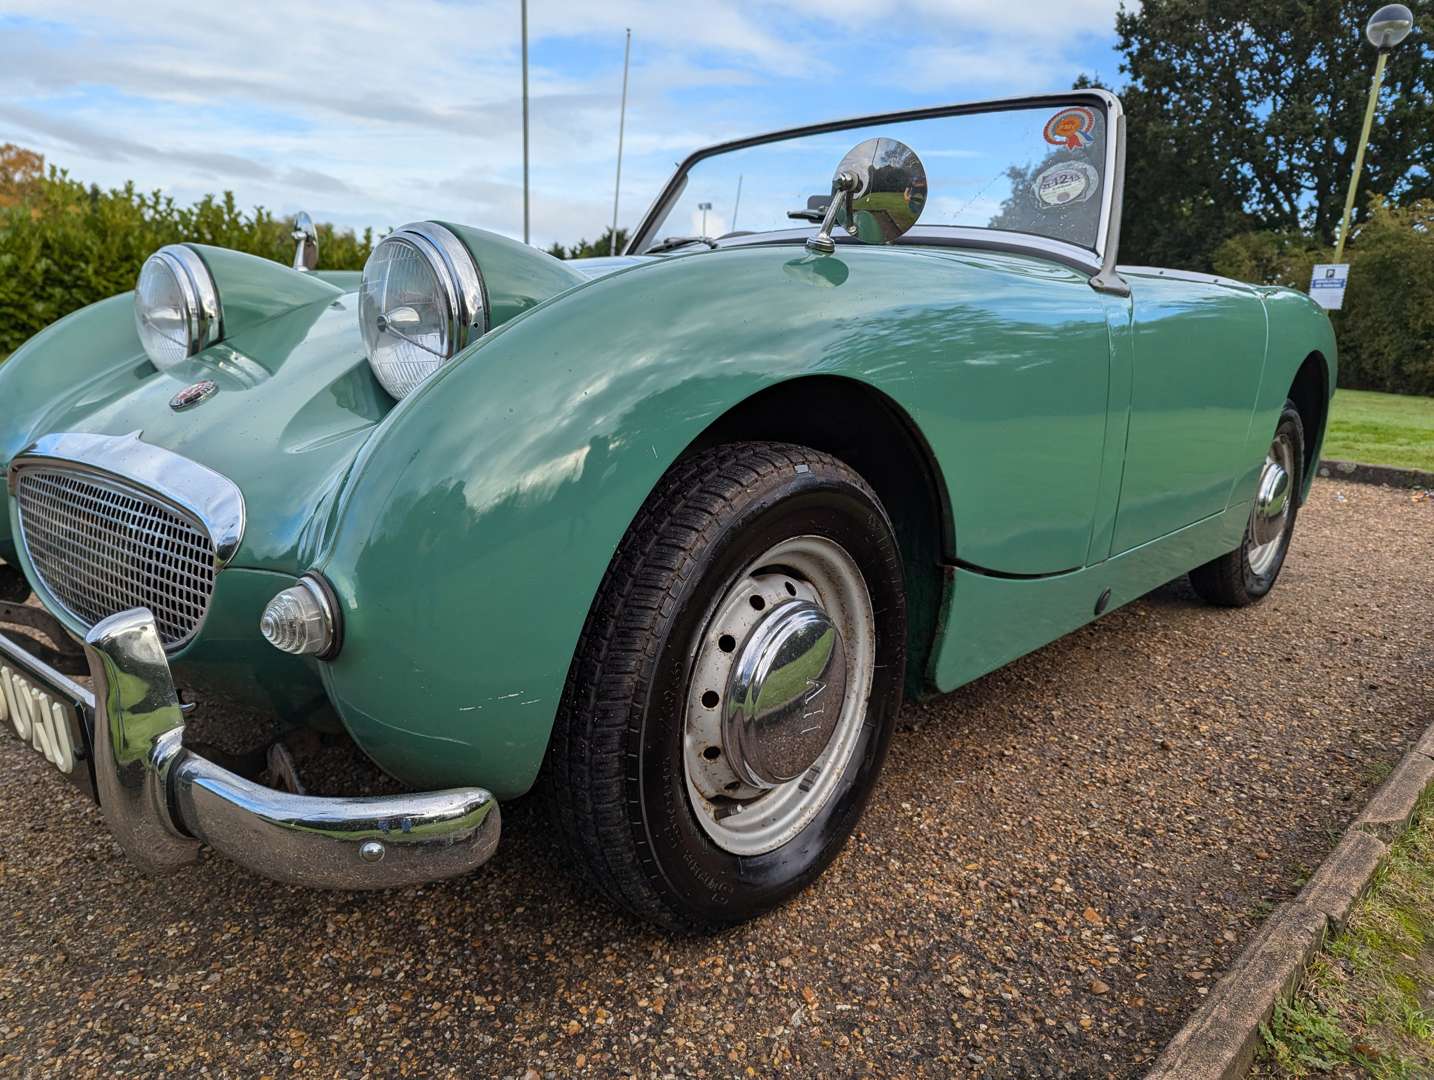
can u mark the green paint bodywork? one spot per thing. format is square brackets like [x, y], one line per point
[1084, 441]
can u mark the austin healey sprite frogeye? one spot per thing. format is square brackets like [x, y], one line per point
[666, 535]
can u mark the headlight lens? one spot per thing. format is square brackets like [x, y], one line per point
[176, 306]
[422, 302]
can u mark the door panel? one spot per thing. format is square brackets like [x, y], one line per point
[1199, 347]
[1013, 400]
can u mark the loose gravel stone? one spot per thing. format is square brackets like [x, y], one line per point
[1118, 810]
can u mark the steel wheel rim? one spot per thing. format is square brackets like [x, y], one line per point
[1271, 522]
[800, 572]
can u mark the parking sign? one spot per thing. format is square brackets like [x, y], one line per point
[1327, 285]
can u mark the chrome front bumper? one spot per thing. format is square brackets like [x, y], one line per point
[161, 800]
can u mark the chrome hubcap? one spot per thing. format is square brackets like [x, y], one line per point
[778, 694]
[784, 696]
[1271, 511]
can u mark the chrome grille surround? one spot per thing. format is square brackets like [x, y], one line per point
[109, 523]
[100, 547]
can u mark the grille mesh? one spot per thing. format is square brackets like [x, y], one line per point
[101, 547]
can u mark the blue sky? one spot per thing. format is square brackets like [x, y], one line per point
[379, 113]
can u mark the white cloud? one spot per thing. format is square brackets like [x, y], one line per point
[381, 112]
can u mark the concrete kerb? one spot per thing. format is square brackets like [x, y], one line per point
[1388, 475]
[1220, 1040]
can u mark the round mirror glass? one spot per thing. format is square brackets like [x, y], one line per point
[889, 194]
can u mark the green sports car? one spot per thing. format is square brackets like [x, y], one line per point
[866, 409]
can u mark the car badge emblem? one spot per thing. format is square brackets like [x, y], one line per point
[193, 395]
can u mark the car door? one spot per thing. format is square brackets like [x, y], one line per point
[1013, 355]
[1198, 346]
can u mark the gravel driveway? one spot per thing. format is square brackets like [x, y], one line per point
[1060, 859]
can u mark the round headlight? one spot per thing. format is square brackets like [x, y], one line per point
[176, 306]
[422, 301]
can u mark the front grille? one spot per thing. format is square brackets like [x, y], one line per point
[100, 546]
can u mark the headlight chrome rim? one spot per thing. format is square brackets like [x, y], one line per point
[203, 314]
[461, 291]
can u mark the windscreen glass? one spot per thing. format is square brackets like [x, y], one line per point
[1032, 170]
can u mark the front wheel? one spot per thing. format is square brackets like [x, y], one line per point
[1244, 575]
[734, 689]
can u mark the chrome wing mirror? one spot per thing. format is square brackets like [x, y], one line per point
[306, 242]
[878, 192]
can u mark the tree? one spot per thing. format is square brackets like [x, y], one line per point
[20, 169]
[585, 250]
[1245, 117]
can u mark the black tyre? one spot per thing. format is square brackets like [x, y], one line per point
[734, 690]
[1244, 575]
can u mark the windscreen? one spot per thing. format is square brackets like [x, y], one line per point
[1031, 170]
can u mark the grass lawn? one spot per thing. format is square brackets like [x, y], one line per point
[1381, 429]
[1366, 1006]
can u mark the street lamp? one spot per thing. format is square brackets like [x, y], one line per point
[704, 207]
[1386, 28]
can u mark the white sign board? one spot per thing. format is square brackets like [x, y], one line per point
[1327, 285]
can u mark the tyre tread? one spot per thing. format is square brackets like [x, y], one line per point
[589, 767]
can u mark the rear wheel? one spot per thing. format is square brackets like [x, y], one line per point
[734, 689]
[1244, 575]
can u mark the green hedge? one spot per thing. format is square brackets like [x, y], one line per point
[1386, 327]
[64, 245]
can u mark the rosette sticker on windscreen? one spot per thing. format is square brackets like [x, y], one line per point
[1073, 128]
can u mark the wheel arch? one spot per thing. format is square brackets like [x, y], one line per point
[865, 428]
[1310, 391]
[1301, 365]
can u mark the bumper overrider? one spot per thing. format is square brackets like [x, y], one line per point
[161, 800]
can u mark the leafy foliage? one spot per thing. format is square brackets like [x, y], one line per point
[1386, 328]
[585, 250]
[20, 169]
[1245, 118]
[64, 245]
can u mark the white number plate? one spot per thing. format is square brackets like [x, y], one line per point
[45, 717]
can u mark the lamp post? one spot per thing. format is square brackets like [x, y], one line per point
[1386, 28]
[704, 207]
[621, 123]
[525, 119]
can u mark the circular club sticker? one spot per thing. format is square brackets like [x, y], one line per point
[1066, 183]
[1073, 128]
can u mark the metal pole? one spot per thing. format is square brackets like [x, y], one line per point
[1359, 155]
[525, 120]
[736, 202]
[621, 123]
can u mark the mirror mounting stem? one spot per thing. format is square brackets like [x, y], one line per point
[843, 184]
